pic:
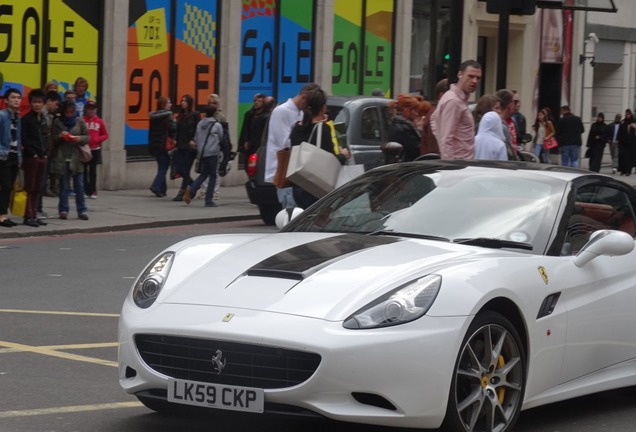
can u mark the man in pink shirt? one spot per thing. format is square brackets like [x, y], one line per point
[452, 122]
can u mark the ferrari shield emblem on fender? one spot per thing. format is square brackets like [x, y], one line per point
[228, 317]
[544, 274]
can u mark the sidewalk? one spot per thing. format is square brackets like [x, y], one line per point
[133, 209]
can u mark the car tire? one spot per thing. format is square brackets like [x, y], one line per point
[487, 390]
[268, 212]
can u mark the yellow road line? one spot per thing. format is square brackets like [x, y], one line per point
[69, 409]
[88, 314]
[67, 347]
[58, 354]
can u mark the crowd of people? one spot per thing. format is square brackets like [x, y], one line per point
[497, 130]
[45, 145]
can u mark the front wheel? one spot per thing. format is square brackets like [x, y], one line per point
[489, 377]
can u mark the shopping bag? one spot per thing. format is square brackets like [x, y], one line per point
[280, 177]
[19, 199]
[85, 153]
[313, 169]
[348, 173]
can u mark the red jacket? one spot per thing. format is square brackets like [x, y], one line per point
[97, 131]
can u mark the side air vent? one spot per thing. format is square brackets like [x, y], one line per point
[548, 305]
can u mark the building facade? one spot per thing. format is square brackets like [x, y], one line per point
[132, 51]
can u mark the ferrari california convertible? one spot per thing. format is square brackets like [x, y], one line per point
[417, 295]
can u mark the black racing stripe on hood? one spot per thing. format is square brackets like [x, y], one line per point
[301, 261]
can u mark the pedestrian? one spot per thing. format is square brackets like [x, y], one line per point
[245, 137]
[314, 115]
[214, 99]
[489, 141]
[69, 132]
[596, 141]
[186, 150]
[614, 129]
[428, 145]
[51, 111]
[98, 134]
[208, 137]
[506, 108]
[452, 122]
[543, 130]
[50, 86]
[406, 126]
[569, 129]
[258, 121]
[518, 118]
[627, 144]
[35, 143]
[281, 121]
[484, 104]
[81, 97]
[10, 150]
[162, 127]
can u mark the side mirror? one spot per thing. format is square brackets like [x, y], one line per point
[604, 242]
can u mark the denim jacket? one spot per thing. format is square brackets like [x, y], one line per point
[5, 135]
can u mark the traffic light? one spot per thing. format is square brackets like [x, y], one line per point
[514, 7]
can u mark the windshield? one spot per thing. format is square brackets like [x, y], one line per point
[456, 204]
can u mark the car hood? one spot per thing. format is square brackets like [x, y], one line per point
[325, 276]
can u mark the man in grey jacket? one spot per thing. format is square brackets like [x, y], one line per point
[208, 139]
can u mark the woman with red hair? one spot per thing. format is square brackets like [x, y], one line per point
[406, 127]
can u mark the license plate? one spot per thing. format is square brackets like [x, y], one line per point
[216, 395]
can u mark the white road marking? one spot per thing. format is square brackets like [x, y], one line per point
[69, 409]
[58, 354]
[87, 314]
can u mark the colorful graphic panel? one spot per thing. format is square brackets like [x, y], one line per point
[378, 40]
[362, 50]
[257, 51]
[148, 66]
[68, 51]
[295, 47]
[196, 49]
[279, 72]
[347, 40]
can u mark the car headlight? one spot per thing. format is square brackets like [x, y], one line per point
[405, 304]
[151, 281]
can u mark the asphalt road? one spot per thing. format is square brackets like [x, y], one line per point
[61, 298]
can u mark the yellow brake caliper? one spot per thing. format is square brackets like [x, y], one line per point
[501, 392]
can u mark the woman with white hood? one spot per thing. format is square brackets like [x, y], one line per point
[489, 142]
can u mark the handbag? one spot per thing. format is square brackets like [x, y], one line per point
[550, 143]
[280, 177]
[19, 199]
[170, 144]
[312, 168]
[85, 153]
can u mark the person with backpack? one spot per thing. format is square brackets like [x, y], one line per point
[208, 138]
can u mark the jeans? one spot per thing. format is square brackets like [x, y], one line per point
[185, 160]
[286, 197]
[570, 155]
[614, 153]
[78, 188]
[208, 170]
[160, 184]
[90, 169]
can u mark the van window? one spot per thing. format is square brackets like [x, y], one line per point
[371, 125]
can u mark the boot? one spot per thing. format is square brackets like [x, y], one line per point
[179, 196]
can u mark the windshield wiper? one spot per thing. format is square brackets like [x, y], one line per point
[406, 234]
[494, 243]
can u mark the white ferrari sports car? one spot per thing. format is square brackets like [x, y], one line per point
[419, 294]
